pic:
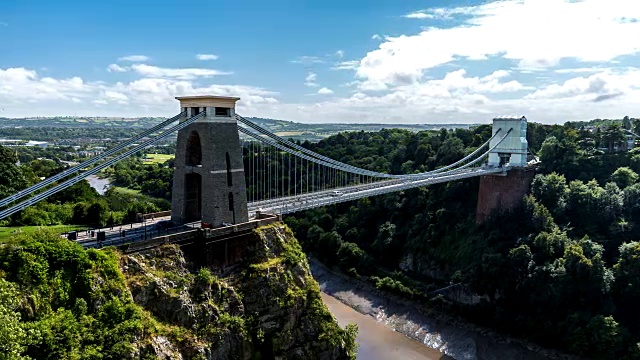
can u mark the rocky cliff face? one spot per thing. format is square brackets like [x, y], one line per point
[269, 307]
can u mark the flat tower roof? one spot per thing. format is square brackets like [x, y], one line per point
[207, 101]
[510, 117]
[207, 97]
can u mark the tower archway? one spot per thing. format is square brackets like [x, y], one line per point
[194, 149]
[192, 210]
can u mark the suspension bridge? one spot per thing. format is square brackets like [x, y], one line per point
[228, 170]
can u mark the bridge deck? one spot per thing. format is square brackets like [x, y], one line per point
[135, 241]
[147, 229]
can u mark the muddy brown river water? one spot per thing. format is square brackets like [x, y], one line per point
[375, 340]
[397, 330]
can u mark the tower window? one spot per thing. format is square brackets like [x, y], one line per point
[223, 111]
[504, 158]
[194, 150]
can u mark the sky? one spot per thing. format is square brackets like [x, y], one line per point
[356, 61]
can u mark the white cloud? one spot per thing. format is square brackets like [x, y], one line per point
[134, 58]
[340, 53]
[456, 82]
[183, 74]
[442, 13]
[454, 97]
[116, 96]
[17, 84]
[534, 33]
[325, 91]
[346, 65]
[116, 68]
[307, 60]
[206, 57]
[597, 87]
[310, 80]
[579, 70]
[376, 37]
[24, 93]
[419, 15]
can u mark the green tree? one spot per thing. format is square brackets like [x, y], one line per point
[13, 336]
[624, 177]
[385, 237]
[82, 191]
[551, 190]
[605, 337]
[559, 155]
[328, 246]
[313, 236]
[11, 177]
[351, 256]
[627, 284]
[613, 136]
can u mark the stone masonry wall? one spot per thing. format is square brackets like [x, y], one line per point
[502, 192]
[216, 140]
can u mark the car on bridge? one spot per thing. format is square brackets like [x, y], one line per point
[337, 193]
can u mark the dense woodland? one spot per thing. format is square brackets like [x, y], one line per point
[77, 205]
[561, 270]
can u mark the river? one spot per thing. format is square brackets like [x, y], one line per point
[100, 184]
[396, 330]
[375, 340]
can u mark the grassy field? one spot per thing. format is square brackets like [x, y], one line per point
[7, 232]
[157, 158]
[289, 133]
[124, 190]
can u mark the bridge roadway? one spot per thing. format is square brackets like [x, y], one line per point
[134, 232]
[284, 205]
[290, 204]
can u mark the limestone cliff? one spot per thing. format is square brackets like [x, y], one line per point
[268, 307]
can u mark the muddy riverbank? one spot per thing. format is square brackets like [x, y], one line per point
[445, 334]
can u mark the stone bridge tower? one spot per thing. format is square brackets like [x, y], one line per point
[505, 191]
[513, 149]
[208, 180]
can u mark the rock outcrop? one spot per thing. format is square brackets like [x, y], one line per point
[269, 305]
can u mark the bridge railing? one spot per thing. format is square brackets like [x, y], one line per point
[140, 216]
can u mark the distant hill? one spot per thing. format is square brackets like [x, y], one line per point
[97, 122]
[287, 129]
[300, 131]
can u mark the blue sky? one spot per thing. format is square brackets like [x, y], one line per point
[324, 61]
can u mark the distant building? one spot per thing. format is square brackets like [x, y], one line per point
[11, 142]
[14, 143]
[89, 153]
[42, 144]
